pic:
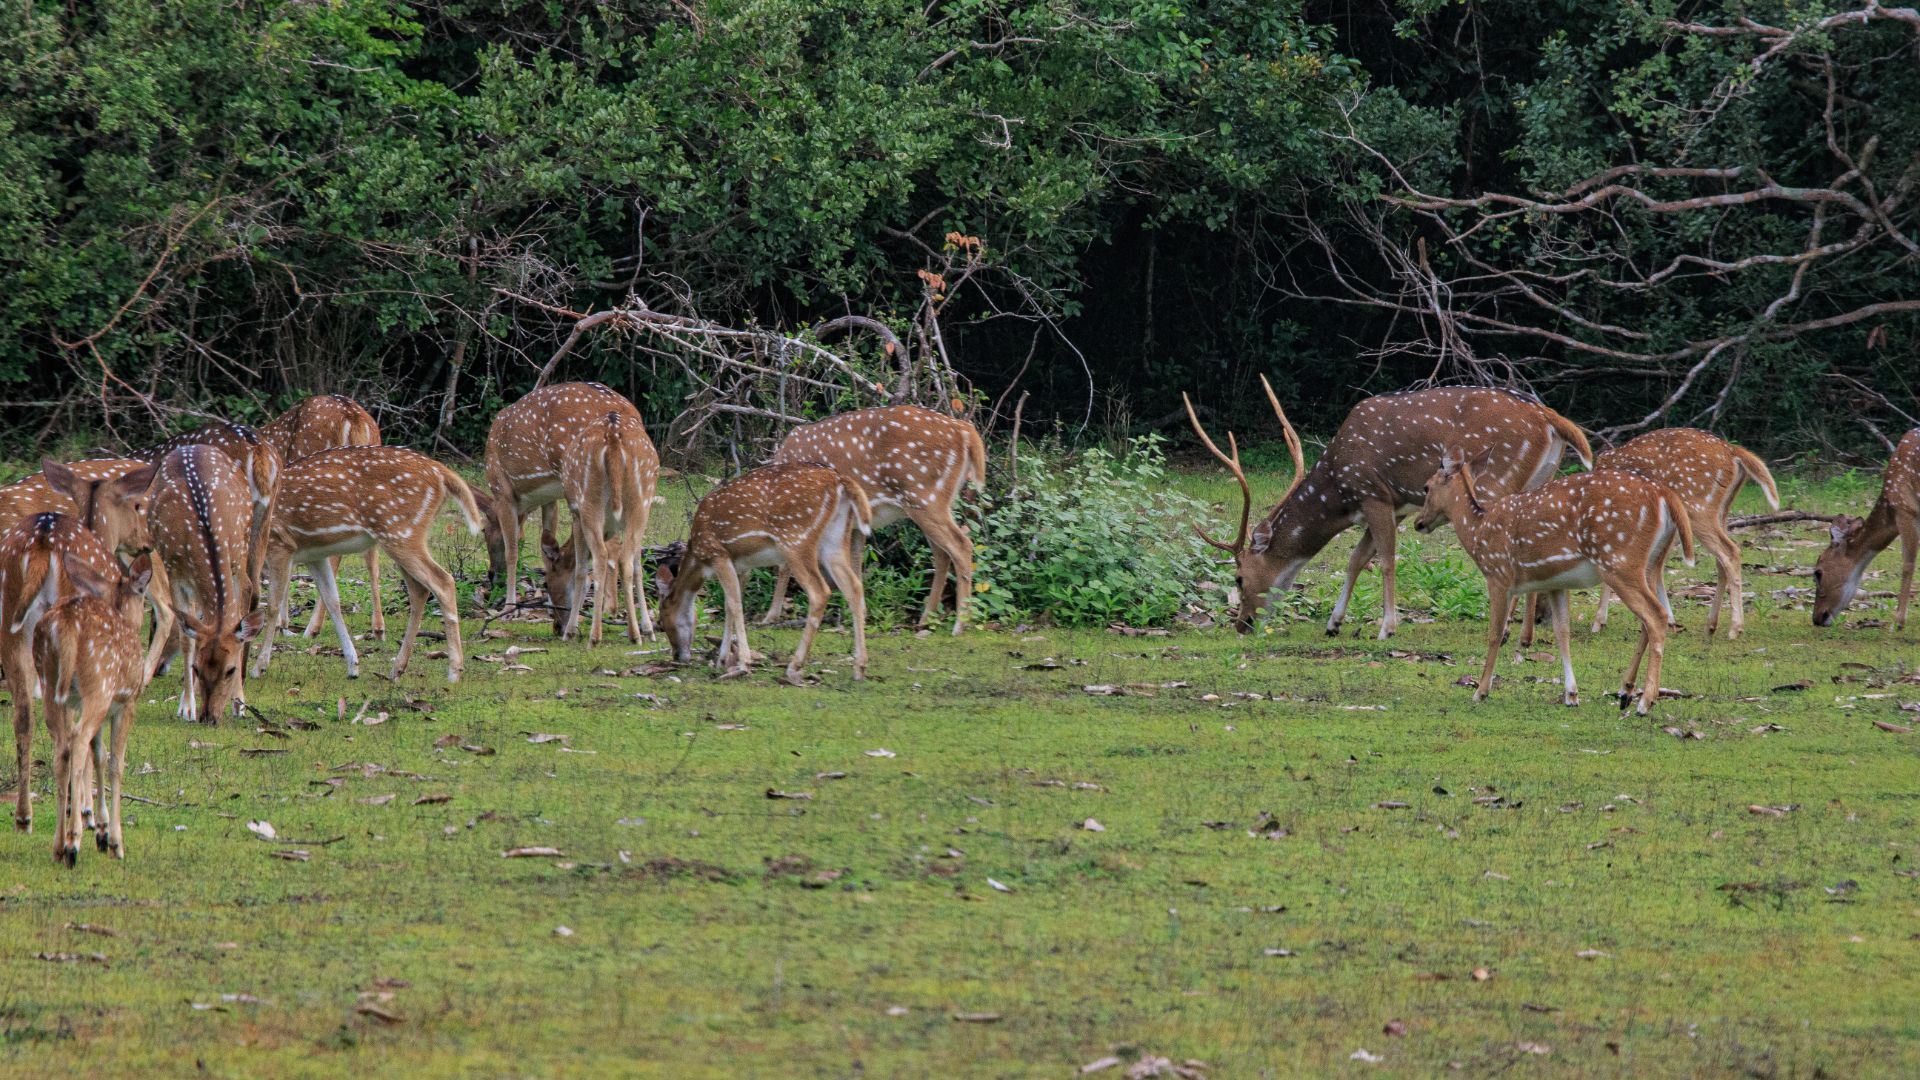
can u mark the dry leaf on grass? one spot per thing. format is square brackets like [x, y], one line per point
[262, 829]
[433, 799]
[530, 853]
[776, 793]
[296, 855]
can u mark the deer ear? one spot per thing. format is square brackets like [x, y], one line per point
[135, 484]
[139, 574]
[85, 579]
[249, 627]
[549, 548]
[60, 477]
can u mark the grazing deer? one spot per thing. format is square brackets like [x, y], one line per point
[608, 469]
[87, 652]
[1836, 577]
[343, 501]
[1706, 471]
[526, 448]
[1571, 533]
[1374, 472]
[323, 422]
[259, 462]
[801, 516]
[200, 517]
[912, 462]
[37, 553]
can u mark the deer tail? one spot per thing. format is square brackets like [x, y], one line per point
[458, 490]
[1575, 438]
[1756, 471]
[977, 450]
[857, 500]
[1681, 521]
[43, 598]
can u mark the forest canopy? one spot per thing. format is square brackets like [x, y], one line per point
[1648, 213]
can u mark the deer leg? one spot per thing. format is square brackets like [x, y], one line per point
[1385, 526]
[781, 579]
[282, 570]
[1653, 642]
[807, 574]
[1909, 554]
[1560, 604]
[373, 586]
[20, 677]
[1356, 562]
[62, 780]
[1710, 534]
[948, 540]
[634, 550]
[1498, 604]
[120, 715]
[441, 583]
[416, 613]
[512, 521]
[1600, 614]
[330, 596]
[159, 651]
[189, 709]
[845, 575]
[735, 655]
[102, 769]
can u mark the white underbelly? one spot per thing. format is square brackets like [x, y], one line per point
[535, 492]
[1579, 575]
[339, 543]
[766, 556]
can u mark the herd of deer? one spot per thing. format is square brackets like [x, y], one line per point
[203, 526]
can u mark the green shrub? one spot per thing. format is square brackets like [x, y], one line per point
[1091, 540]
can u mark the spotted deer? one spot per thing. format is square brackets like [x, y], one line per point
[323, 422]
[912, 463]
[608, 470]
[1374, 472]
[258, 461]
[526, 447]
[39, 553]
[1706, 471]
[1855, 541]
[343, 501]
[1571, 533]
[87, 653]
[200, 516]
[801, 516]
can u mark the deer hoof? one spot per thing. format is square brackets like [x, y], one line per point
[23, 824]
[101, 841]
[1571, 700]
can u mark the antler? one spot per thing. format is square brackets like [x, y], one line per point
[1233, 464]
[1293, 441]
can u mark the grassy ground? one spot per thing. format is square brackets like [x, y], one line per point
[1342, 801]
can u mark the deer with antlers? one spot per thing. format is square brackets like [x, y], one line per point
[323, 422]
[1706, 471]
[38, 553]
[343, 501]
[526, 451]
[913, 463]
[801, 516]
[1855, 541]
[1570, 533]
[608, 470]
[258, 461]
[1373, 473]
[86, 649]
[200, 518]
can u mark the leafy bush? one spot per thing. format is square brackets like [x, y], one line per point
[1091, 540]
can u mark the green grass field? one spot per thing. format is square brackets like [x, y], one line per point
[1312, 857]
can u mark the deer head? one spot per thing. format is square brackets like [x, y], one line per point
[1257, 570]
[1449, 491]
[115, 510]
[220, 652]
[1836, 576]
[561, 563]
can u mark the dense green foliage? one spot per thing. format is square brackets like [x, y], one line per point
[218, 208]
